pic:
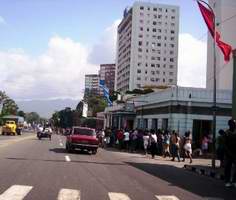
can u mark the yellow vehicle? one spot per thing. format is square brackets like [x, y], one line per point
[9, 128]
[13, 125]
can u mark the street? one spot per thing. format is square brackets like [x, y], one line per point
[34, 169]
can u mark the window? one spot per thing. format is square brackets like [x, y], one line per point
[171, 66]
[138, 78]
[140, 36]
[164, 80]
[155, 16]
[171, 52]
[172, 31]
[146, 50]
[152, 65]
[159, 16]
[172, 17]
[139, 64]
[158, 65]
[172, 45]
[153, 58]
[140, 43]
[141, 28]
[172, 24]
[158, 37]
[147, 29]
[154, 30]
[158, 44]
[141, 14]
[148, 8]
[152, 79]
[164, 59]
[145, 71]
[171, 80]
[171, 73]
[158, 72]
[160, 9]
[171, 59]
[141, 8]
[138, 86]
[141, 21]
[154, 9]
[154, 23]
[157, 79]
[165, 38]
[164, 73]
[147, 43]
[153, 72]
[139, 71]
[172, 38]
[146, 65]
[140, 50]
[159, 30]
[173, 10]
[166, 10]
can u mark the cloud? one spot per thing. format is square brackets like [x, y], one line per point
[58, 72]
[2, 20]
[192, 61]
[105, 50]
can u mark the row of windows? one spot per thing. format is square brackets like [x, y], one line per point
[156, 36]
[157, 30]
[156, 65]
[157, 23]
[139, 71]
[158, 9]
[158, 16]
[156, 79]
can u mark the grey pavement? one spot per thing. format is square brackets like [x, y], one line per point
[42, 169]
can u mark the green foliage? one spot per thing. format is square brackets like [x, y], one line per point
[21, 113]
[79, 108]
[96, 104]
[32, 117]
[9, 105]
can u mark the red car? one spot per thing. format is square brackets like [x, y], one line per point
[82, 138]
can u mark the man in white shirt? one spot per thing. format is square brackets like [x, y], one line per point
[126, 140]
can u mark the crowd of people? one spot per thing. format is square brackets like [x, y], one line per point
[162, 143]
[170, 144]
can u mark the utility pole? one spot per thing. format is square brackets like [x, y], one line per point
[234, 86]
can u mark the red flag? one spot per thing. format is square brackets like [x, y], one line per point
[208, 17]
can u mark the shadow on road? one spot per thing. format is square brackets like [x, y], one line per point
[63, 161]
[200, 185]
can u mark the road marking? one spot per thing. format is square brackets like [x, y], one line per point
[162, 197]
[118, 196]
[67, 158]
[16, 192]
[67, 194]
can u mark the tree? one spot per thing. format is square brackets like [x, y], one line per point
[21, 113]
[96, 104]
[32, 117]
[9, 105]
[79, 108]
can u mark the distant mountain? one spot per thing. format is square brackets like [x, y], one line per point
[45, 108]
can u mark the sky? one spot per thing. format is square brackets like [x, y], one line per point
[47, 46]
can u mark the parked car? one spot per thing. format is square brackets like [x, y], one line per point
[82, 138]
[44, 133]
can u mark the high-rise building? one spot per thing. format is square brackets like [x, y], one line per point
[92, 84]
[147, 46]
[107, 73]
[226, 26]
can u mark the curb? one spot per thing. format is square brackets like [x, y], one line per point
[205, 172]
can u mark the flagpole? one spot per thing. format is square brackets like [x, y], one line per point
[214, 108]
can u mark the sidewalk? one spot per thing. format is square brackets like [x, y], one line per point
[201, 166]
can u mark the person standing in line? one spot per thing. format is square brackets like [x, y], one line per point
[221, 147]
[153, 143]
[166, 144]
[120, 137]
[230, 154]
[187, 147]
[126, 140]
[176, 147]
[145, 141]
[133, 138]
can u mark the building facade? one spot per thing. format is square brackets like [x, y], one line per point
[107, 73]
[147, 46]
[92, 84]
[224, 12]
[177, 108]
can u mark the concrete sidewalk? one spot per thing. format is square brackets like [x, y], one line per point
[201, 166]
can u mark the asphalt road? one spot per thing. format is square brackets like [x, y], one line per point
[31, 169]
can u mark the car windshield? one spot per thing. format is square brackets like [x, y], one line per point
[82, 131]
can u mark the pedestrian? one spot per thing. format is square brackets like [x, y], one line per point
[230, 154]
[120, 137]
[205, 142]
[176, 147]
[133, 139]
[160, 138]
[145, 141]
[166, 144]
[126, 139]
[187, 147]
[221, 147]
[153, 143]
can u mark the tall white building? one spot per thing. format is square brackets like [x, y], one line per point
[147, 46]
[92, 84]
[225, 11]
